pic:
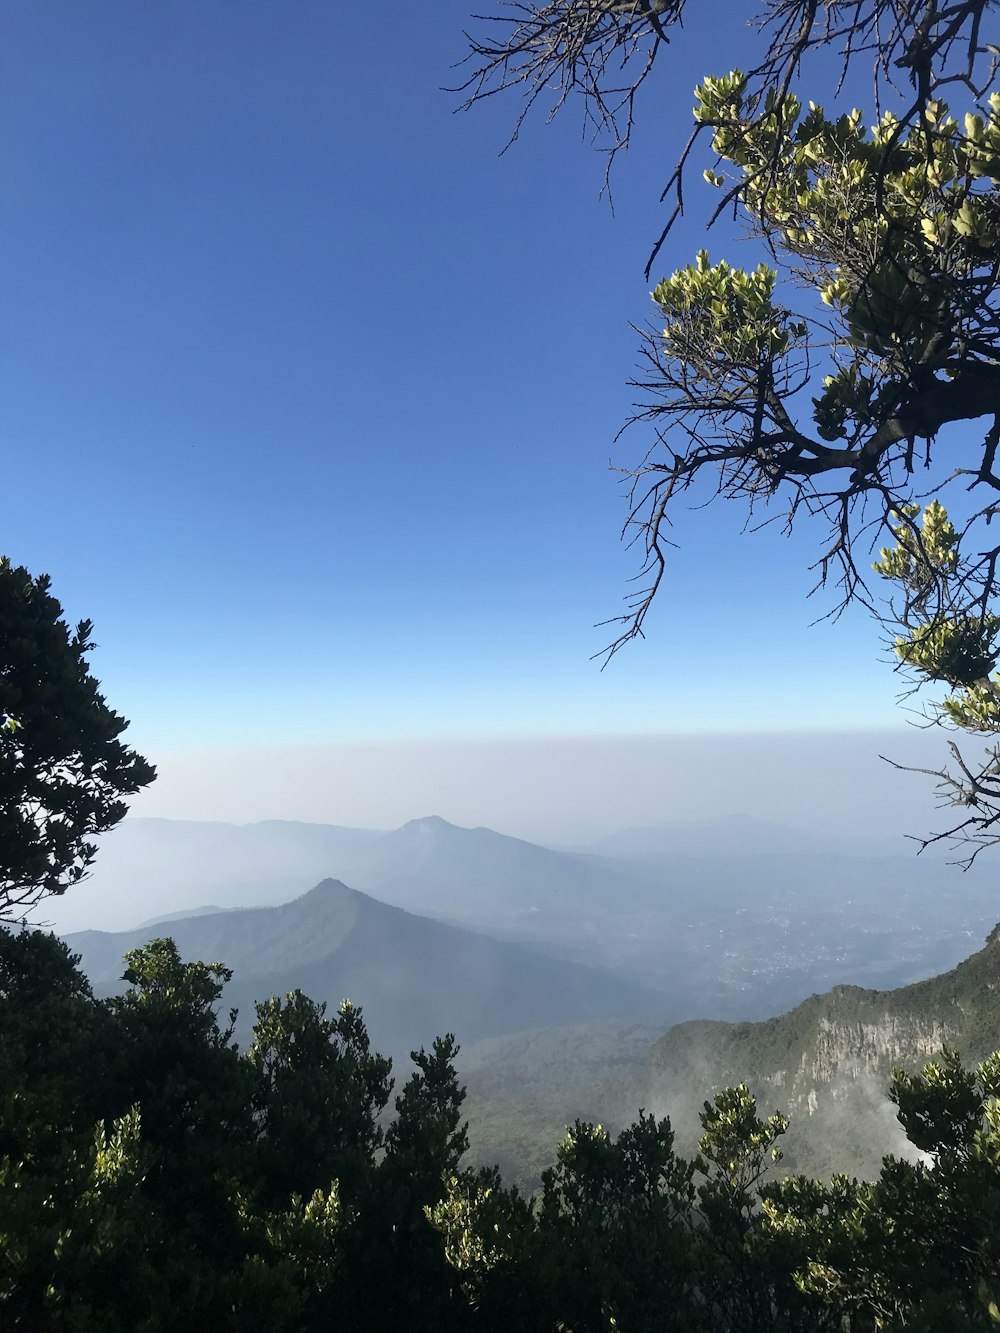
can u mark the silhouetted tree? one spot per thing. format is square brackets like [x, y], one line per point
[63, 768]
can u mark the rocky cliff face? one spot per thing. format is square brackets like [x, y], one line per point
[857, 1049]
[828, 1062]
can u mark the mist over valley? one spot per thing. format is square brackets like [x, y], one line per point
[559, 970]
[681, 909]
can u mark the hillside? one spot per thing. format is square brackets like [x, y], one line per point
[524, 1089]
[413, 977]
[828, 1061]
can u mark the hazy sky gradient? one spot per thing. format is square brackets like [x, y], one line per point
[568, 790]
[308, 395]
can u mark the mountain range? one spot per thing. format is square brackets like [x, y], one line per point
[564, 991]
[727, 935]
[413, 977]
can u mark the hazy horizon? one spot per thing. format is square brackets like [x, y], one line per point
[564, 790]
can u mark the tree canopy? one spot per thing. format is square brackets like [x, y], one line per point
[850, 377]
[63, 767]
[154, 1177]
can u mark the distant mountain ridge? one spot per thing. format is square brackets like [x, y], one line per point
[727, 935]
[271, 861]
[209, 909]
[414, 978]
[427, 865]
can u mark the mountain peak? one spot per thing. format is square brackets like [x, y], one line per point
[427, 824]
[327, 888]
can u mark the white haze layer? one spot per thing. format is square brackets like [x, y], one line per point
[740, 795]
[566, 791]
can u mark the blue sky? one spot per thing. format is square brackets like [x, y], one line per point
[308, 393]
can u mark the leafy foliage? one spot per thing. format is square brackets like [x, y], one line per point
[63, 768]
[153, 1176]
[894, 231]
[257, 1189]
[318, 1094]
[943, 641]
[834, 376]
[916, 1248]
